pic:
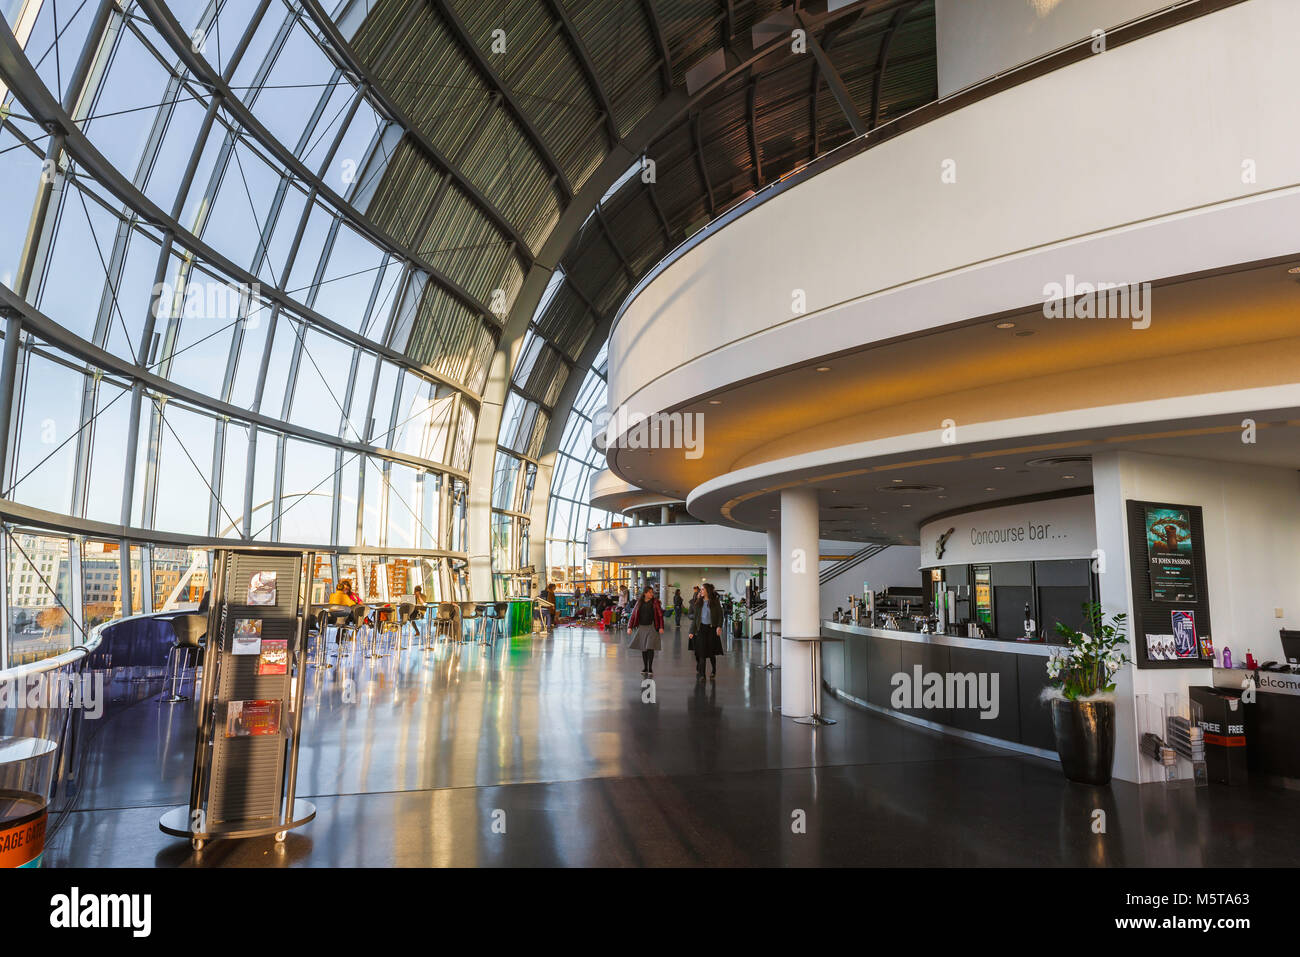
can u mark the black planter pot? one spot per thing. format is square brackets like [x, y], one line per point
[1085, 739]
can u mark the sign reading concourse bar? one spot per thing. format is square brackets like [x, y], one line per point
[1045, 530]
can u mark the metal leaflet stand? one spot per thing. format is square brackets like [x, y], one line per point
[190, 820]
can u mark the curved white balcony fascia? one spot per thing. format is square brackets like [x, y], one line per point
[1168, 156]
[610, 493]
[672, 545]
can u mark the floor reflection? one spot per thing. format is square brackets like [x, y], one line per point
[556, 752]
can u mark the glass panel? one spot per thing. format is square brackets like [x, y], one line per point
[40, 594]
[184, 467]
[101, 582]
[307, 501]
[180, 578]
[47, 443]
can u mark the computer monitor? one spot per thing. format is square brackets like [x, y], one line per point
[1291, 646]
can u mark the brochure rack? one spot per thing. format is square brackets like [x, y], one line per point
[249, 706]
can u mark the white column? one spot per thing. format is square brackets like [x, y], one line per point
[800, 598]
[774, 584]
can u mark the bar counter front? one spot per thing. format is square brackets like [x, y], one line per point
[875, 667]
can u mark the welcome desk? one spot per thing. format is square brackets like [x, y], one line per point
[986, 690]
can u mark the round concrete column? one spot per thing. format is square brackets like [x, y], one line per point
[774, 585]
[800, 598]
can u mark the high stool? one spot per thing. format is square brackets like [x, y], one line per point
[353, 622]
[338, 617]
[447, 624]
[188, 630]
[496, 618]
[404, 612]
[482, 626]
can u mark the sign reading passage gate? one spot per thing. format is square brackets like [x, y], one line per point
[1170, 554]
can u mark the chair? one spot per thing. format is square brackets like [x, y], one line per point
[496, 620]
[338, 617]
[470, 613]
[404, 613]
[189, 631]
[447, 623]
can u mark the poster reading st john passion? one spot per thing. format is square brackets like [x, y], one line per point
[1169, 554]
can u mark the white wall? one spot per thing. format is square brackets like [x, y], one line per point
[981, 38]
[1126, 166]
[1252, 558]
[896, 565]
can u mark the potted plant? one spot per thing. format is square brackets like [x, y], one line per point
[1082, 694]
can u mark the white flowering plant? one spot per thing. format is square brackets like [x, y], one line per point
[1087, 663]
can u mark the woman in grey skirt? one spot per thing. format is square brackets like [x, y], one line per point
[645, 624]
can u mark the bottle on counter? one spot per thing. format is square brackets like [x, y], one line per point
[1227, 657]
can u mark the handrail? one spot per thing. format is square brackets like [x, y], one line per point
[93, 640]
[1177, 12]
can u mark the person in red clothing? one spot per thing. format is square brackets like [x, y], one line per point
[645, 624]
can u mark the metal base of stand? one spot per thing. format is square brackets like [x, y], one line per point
[176, 822]
[815, 720]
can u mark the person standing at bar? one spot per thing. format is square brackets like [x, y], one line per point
[645, 624]
[705, 621]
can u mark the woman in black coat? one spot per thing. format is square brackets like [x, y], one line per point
[706, 620]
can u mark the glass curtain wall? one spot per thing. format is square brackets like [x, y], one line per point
[570, 516]
[208, 335]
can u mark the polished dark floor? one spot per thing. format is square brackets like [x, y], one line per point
[542, 752]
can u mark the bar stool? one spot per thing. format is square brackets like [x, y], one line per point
[771, 635]
[446, 625]
[469, 615]
[498, 615]
[337, 617]
[482, 623]
[355, 623]
[404, 612]
[188, 629]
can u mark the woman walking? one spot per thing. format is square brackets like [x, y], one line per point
[706, 618]
[645, 624]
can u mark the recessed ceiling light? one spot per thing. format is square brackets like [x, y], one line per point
[715, 402]
[907, 506]
[1005, 325]
[999, 468]
[898, 481]
[1294, 270]
[823, 368]
[1067, 476]
[989, 488]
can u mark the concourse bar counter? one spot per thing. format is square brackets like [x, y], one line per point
[874, 667]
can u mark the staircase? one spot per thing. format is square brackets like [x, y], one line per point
[852, 562]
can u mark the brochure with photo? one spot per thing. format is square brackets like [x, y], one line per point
[275, 657]
[248, 636]
[248, 719]
[1184, 625]
[261, 588]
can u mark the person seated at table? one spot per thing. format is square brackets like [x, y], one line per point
[343, 594]
[417, 611]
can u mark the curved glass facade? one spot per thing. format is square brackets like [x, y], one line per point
[206, 336]
[569, 516]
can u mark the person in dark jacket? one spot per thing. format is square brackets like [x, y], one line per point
[645, 623]
[677, 606]
[706, 619]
